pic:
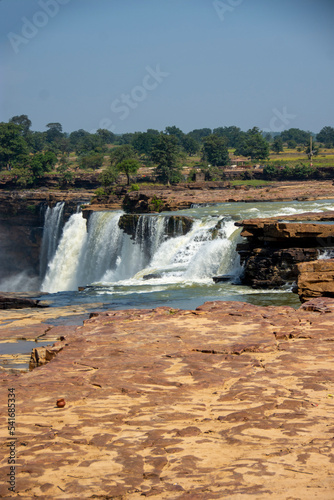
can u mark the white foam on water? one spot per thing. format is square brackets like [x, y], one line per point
[62, 270]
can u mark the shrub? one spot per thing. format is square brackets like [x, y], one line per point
[99, 192]
[156, 204]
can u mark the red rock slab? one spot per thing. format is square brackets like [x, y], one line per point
[315, 279]
[163, 403]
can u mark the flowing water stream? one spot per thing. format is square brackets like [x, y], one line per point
[154, 268]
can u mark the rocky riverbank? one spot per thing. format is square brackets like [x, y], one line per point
[225, 401]
[274, 247]
[183, 196]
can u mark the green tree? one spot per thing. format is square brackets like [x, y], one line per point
[270, 172]
[125, 138]
[326, 136]
[176, 132]
[166, 154]
[13, 147]
[253, 145]
[27, 173]
[91, 160]
[41, 163]
[54, 131]
[143, 142]
[232, 135]
[36, 141]
[300, 136]
[89, 143]
[199, 134]
[215, 151]
[120, 153]
[277, 145]
[77, 136]
[190, 145]
[129, 166]
[292, 144]
[24, 123]
[66, 177]
[109, 176]
[106, 136]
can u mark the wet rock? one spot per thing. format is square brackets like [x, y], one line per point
[139, 226]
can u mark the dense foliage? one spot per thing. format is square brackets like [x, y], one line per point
[27, 155]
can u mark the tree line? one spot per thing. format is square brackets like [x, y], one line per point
[30, 154]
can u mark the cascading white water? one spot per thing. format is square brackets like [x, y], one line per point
[105, 254]
[53, 224]
[196, 255]
[101, 247]
[62, 270]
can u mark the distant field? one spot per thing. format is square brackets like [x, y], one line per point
[250, 182]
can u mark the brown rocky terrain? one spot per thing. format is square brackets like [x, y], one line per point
[182, 196]
[315, 279]
[228, 401]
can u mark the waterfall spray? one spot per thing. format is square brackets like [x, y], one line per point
[53, 224]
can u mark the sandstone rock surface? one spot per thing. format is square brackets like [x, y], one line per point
[228, 401]
[315, 279]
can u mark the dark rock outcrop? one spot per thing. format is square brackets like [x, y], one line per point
[175, 225]
[274, 248]
[9, 301]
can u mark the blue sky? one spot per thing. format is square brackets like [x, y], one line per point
[129, 65]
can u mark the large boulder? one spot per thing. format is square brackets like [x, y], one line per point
[315, 279]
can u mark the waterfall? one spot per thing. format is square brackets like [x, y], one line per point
[53, 223]
[101, 247]
[101, 252]
[62, 269]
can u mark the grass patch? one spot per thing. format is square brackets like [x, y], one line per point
[250, 182]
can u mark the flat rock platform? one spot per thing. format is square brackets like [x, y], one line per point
[230, 401]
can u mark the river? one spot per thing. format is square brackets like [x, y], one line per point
[153, 269]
